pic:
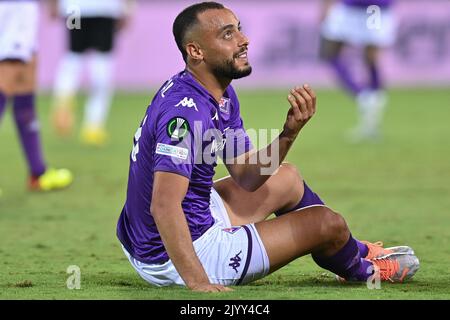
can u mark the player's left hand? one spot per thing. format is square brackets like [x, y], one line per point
[303, 107]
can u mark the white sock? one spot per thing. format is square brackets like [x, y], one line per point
[101, 92]
[68, 76]
[371, 105]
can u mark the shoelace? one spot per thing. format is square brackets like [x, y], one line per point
[378, 243]
[386, 268]
[374, 248]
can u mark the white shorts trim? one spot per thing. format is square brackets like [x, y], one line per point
[18, 29]
[229, 255]
[349, 24]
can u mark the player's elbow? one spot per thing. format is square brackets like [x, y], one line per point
[160, 207]
[156, 210]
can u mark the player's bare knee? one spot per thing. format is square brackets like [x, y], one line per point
[293, 182]
[334, 227]
[342, 231]
[293, 177]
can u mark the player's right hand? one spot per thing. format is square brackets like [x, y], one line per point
[303, 107]
[208, 287]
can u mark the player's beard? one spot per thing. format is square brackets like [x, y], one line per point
[228, 69]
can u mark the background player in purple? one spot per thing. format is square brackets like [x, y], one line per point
[366, 24]
[18, 59]
[178, 227]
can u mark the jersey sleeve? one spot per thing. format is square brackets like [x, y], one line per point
[238, 141]
[177, 145]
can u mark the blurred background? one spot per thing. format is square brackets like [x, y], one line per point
[284, 44]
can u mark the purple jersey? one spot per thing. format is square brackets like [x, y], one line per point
[183, 132]
[366, 3]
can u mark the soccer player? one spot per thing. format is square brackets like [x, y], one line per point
[18, 37]
[367, 24]
[95, 31]
[179, 227]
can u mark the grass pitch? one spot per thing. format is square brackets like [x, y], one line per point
[395, 190]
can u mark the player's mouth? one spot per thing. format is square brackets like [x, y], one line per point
[242, 56]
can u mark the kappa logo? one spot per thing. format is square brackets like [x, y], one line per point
[187, 102]
[236, 262]
[231, 230]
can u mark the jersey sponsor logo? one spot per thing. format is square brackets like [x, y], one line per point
[236, 261]
[172, 151]
[224, 105]
[216, 147]
[177, 128]
[231, 230]
[187, 102]
[218, 144]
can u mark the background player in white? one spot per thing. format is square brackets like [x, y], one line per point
[18, 59]
[366, 24]
[100, 21]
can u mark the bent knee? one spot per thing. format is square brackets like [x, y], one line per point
[292, 173]
[293, 184]
[333, 225]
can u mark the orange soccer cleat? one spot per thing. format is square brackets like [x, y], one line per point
[396, 267]
[376, 250]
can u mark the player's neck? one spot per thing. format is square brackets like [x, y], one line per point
[216, 87]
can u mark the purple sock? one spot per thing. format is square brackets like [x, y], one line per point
[347, 262]
[344, 76]
[309, 199]
[3, 101]
[28, 128]
[363, 249]
[374, 75]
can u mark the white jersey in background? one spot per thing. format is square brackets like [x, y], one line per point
[94, 8]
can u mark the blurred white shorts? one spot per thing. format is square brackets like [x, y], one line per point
[229, 255]
[359, 27]
[18, 29]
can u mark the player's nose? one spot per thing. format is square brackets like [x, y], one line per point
[243, 41]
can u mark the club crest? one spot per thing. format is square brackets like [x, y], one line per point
[224, 105]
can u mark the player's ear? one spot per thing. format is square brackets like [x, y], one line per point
[194, 51]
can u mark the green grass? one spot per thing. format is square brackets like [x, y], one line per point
[396, 190]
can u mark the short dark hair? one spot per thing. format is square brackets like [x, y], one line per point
[186, 19]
